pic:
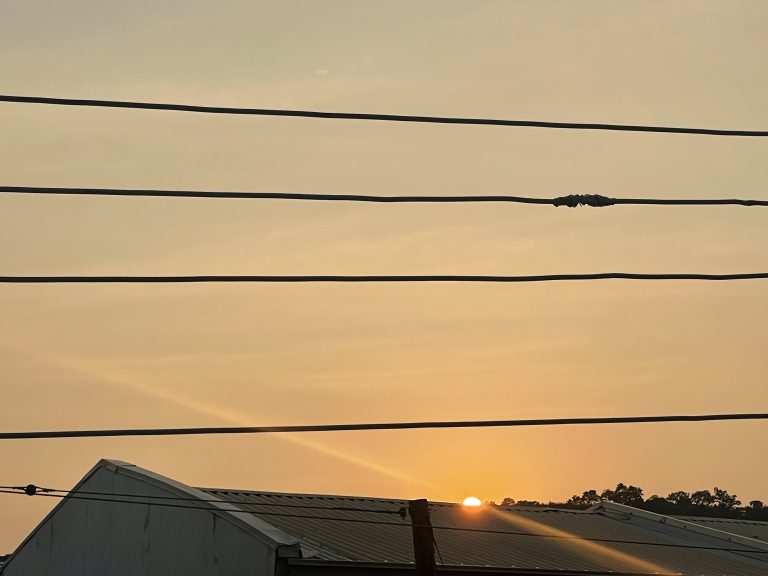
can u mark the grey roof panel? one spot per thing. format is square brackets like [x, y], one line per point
[748, 528]
[553, 546]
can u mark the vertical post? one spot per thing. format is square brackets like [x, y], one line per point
[423, 538]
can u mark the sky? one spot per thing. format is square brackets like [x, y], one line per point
[79, 356]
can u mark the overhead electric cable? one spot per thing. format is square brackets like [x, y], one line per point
[33, 490]
[572, 200]
[376, 117]
[375, 426]
[340, 278]
[76, 496]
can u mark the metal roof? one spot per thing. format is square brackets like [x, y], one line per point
[747, 528]
[356, 536]
[541, 538]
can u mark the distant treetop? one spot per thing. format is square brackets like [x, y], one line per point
[717, 503]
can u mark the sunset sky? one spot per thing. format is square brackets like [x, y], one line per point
[108, 356]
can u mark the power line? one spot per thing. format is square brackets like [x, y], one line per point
[32, 490]
[374, 426]
[271, 279]
[376, 117]
[76, 496]
[572, 200]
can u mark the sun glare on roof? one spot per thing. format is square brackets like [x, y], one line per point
[472, 501]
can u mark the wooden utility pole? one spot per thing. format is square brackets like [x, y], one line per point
[423, 538]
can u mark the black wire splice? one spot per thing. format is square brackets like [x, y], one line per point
[574, 200]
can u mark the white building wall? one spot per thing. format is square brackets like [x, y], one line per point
[88, 538]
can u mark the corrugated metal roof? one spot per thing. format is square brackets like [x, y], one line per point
[374, 539]
[748, 528]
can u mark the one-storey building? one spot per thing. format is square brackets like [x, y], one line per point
[122, 520]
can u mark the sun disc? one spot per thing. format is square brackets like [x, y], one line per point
[472, 501]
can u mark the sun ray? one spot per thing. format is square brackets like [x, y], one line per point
[208, 409]
[585, 547]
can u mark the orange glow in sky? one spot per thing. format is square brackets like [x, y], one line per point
[119, 356]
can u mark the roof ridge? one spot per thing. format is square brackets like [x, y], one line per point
[382, 500]
[677, 522]
[400, 501]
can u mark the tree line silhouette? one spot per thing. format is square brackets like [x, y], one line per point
[716, 503]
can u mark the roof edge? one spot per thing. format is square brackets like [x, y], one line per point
[53, 511]
[231, 512]
[284, 544]
[456, 569]
[613, 507]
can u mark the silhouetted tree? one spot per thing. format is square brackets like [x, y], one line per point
[629, 495]
[725, 501]
[658, 504]
[528, 503]
[681, 499]
[588, 498]
[701, 503]
[703, 498]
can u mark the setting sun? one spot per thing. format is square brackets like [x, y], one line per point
[472, 501]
